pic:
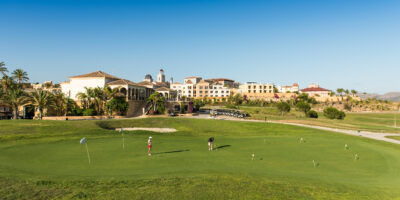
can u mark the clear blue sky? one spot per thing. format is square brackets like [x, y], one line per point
[350, 44]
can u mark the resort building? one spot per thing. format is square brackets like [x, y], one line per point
[196, 87]
[77, 84]
[315, 90]
[149, 83]
[223, 81]
[288, 89]
[256, 88]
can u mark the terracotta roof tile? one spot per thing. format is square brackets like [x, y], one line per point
[95, 74]
[315, 90]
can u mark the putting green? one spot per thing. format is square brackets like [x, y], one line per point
[281, 161]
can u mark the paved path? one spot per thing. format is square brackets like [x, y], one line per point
[160, 130]
[371, 135]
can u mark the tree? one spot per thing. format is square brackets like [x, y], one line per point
[41, 99]
[332, 93]
[303, 97]
[3, 69]
[20, 75]
[14, 97]
[354, 92]
[237, 99]
[283, 107]
[156, 100]
[117, 104]
[340, 92]
[6, 82]
[303, 106]
[197, 104]
[312, 114]
[62, 104]
[333, 113]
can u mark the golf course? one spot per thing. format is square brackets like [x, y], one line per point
[45, 160]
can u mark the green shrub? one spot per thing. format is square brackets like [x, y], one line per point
[340, 115]
[118, 105]
[333, 113]
[303, 107]
[283, 107]
[88, 112]
[312, 114]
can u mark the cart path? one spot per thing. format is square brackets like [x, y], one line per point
[366, 134]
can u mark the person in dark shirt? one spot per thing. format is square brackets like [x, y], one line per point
[210, 141]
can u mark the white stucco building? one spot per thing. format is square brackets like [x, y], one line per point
[129, 89]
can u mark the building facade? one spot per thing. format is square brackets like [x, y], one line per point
[289, 89]
[256, 88]
[315, 90]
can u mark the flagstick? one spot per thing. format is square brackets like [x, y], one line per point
[87, 150]
[123, 141]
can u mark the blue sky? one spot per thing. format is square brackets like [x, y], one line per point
[350, 44]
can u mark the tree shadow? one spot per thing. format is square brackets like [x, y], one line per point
[223, 146]
[176, 151]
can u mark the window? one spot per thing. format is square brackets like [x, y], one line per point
[260, 91]
[265, 91]
[201, 95]
[211, 95]
[249, 91]
[211, 91]
[201, 87]
[216, 91]
[249, 87]
[255, 91]
[201, 91]
[205, 87]
[206, 92]
[222, 91]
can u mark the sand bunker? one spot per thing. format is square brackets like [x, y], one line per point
[160, 130]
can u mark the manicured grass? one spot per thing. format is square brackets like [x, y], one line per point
[375, 122]
[44, 160]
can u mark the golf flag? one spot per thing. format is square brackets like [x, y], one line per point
[83, 141]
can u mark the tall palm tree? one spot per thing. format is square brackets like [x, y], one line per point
[20, 75]
[3, 69]
[83, 98]
[62, 103]
[99, 99]
[354, 92]
[6, 82]
[14, 97]
[41, 99]
[340, 92]
[156, 100]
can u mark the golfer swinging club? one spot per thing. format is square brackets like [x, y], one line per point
[210, 141]
[149, 146]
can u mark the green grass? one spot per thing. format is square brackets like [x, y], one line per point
[375, 122]
[44, 160]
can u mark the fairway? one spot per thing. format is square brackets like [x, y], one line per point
[43, 159]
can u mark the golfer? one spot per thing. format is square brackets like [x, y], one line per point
[149, 146]
[210, 141]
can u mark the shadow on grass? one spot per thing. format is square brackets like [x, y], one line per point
[177, 151]
[223, 146]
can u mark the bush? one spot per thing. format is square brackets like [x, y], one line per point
[88, 112]
[312, 114]
[333, 113]
[283, 107]
[117, 104]
[303, 107]
[340, 115]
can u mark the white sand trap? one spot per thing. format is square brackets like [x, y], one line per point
[160, 130]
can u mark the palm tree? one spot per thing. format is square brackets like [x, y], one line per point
[62, 103]
[41, 99]
[354, 92]
[340, 92]
[3, 69]
[6, 82]
[83, 98]
[20, 75]
[14, 97]
[156, 100]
